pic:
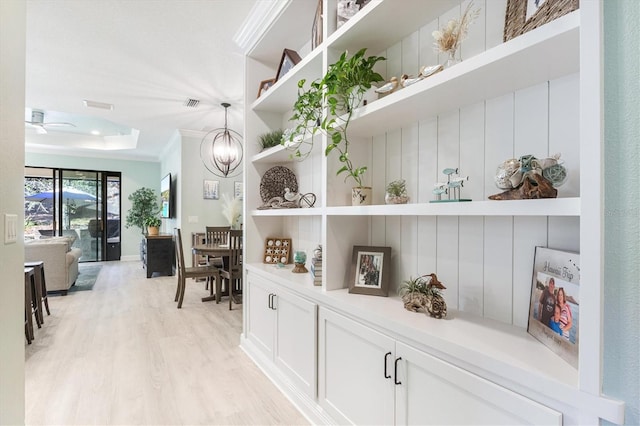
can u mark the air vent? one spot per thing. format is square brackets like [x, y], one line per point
[191, 103]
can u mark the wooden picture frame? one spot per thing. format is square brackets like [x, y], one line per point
[316, 29]
[289, 60]
[370, 270]
[525, 15]
[265, 85]
[555, 320]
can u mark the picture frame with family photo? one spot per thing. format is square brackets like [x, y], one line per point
[554, 317]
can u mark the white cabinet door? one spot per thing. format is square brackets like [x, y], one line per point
[351, 371]
[260, 316]
[295, 340]
[434, 392]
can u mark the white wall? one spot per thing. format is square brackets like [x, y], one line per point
[196, 213]
[12, 71]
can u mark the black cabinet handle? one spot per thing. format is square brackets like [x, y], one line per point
[395, 372]
[386, 376]
[270, 301]
[273, 299]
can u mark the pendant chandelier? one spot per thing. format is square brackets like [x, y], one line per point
[221, 150]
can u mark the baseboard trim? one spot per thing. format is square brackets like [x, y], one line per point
[305, 404]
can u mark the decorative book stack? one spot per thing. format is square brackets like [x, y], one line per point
[316, 266]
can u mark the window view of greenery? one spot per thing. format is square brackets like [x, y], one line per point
[76, 212]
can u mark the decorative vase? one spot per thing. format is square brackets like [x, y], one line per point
[361, 196]
[299, 258]
[153, 230]
[452, 60]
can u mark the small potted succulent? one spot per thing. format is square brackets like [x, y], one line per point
[396, 192]
[153, 225]
[270, 139]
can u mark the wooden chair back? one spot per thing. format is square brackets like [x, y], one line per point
[179, 252]
[217, 234]
[235, 250]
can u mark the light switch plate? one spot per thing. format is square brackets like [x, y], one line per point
[193, 219]
[10, 228]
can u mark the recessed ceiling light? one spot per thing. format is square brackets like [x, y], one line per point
[95, 132]
[94, 104]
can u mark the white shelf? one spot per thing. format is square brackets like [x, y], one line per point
[407, 16]
[540, 55]
[275, 154]
[542, 207]
[283, 94]
[312, 211]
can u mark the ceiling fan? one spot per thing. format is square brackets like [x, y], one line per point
[37, 121]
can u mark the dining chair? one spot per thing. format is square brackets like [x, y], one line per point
[216, 235]
[232, 270]
[209, 272]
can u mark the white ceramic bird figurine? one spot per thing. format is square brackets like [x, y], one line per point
[290, 195]
[426, 71]
[407, 80]
[388, 87]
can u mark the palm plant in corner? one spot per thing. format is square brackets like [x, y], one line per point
[340, 91]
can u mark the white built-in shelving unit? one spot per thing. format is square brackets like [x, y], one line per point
[539, 94]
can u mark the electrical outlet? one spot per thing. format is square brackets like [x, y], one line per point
[193, 219]
[10, 228]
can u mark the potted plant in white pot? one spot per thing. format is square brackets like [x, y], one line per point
[341, 91]
[145, 204]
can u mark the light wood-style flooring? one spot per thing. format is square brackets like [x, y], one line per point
[123, 354]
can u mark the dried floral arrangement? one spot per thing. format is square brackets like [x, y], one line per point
[449, 37]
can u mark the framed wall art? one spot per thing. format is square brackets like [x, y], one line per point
[525, 15]
[289, 59]
[265, 85]
[370, 270]
[238, 190]
[210, 190]
[554, 315]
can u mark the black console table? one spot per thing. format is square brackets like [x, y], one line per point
[157, 254]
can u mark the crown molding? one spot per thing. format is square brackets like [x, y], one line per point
[260, 18]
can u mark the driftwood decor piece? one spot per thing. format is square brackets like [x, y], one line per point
[525, 15]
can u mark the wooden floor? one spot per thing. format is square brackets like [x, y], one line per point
[123, 354]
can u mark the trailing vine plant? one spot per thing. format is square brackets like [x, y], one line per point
[341, 91]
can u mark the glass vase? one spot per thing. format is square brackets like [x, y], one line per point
[452, 59]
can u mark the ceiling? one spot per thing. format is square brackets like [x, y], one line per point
[145, 57]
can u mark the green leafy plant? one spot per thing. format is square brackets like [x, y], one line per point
[412, 285]
[153, 221]
[270, 139]
[144, 204]
[341, 90]
[397, 188]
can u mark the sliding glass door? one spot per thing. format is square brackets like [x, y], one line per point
[82, 204]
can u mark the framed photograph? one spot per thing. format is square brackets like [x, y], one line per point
[316, 30]
[289, 59]
[210, 190]
[525, 15]
[370, 270]
[554, 315]
[265, 85]
[238, 190]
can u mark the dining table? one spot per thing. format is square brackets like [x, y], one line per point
[214, 250]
